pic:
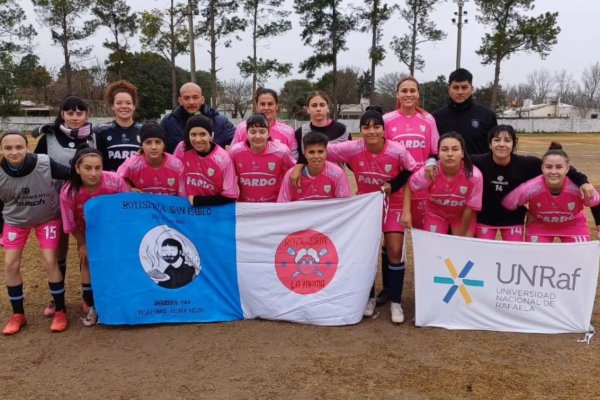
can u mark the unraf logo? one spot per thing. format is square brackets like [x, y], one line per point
[306, 261]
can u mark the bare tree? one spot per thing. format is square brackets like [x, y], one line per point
[385, 89]
[238, 94]
[565, 86]
[542, 84]
[590, 80]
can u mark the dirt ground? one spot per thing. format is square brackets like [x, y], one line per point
[275, 360]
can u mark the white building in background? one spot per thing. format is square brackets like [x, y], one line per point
[550, 109]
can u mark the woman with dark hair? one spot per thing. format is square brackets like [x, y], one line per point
[87, 180]
[554, 202]
[503, 170]
[454, 196]
[208, 171]
[119, 139]
[377, 163]
[60, 140]
[259, 162]
[317, 107]
[266, 102]
[153, 170]
[30, 202]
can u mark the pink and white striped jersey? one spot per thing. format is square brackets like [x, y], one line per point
[71, 205]
[210, 175]
[372, 171]
[418, 133]
[260, 175]
[332, 182]
[554, 215]
[279, 133]
[164, 179]
[448, 197]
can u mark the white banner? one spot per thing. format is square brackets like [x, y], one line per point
[308, 261]
[463, 283]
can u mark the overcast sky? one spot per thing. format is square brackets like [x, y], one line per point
[576, 49]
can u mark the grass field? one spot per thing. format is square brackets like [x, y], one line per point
[274, 360]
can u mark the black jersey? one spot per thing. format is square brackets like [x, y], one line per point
[499, 180]
[472, 121]
[335, 132]
[117, 143]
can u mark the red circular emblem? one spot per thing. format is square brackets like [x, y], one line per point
[306, 261]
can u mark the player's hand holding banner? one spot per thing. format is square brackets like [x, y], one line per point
[155, 259]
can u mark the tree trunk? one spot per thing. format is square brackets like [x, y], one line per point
[213, 54]
[413, 43]
[173, 54]
[67, 55]
[254, 60]
[334, 51]
[373, 49]
[496, 84]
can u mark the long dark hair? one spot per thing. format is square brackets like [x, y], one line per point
[468, 164]
[70, 103]
[83, 150]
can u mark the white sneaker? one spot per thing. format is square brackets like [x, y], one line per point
[397, 313]
[370, 307]
[91, 318]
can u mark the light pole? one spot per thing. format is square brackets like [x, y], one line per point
[192, 9]
[459, 24]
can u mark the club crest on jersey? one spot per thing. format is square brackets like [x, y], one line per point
[210, 171]
[124, 138]
[422, 128]
[394, 129]
[170, 181]
[500, 178]
[474, 123]
[361, 163]
[463, 190]
[109, 138]
[327, 188]
[12, 236]
[571, 206]
[388, 167]
[271, 166]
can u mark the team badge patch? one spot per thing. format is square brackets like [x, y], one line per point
[474, 123]
[12, 236]
[170, 181]
[571, 206]
[422, 128]
[271, 166]
[210, 171]
[388, 167]
[306, 261]
[327, 188]
[463, 190]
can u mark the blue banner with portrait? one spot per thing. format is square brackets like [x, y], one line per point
[156, 259]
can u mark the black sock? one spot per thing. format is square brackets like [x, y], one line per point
[385, 280]
[372, 292]
[62, 265]
[15, 295]
[396, 275]
[88, 295]
[57, 290]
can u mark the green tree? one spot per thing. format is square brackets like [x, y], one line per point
[165, 32]
[422, 29]
[485, 95]
[12, 30]
[115, 15]
[9, 100]
[267, 19]
[293, 97]
[348, 87]
[512, 31]
[372, 17]
[325, 27]
[30, 74]
[434, 94]
[218, 25]
[63, 17]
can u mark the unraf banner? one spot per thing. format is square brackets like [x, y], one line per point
[465, 283]
[156, 259]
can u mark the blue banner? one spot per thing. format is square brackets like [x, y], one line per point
[156, 259]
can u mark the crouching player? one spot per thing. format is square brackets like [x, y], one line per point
[321, 179]
[30, 201]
